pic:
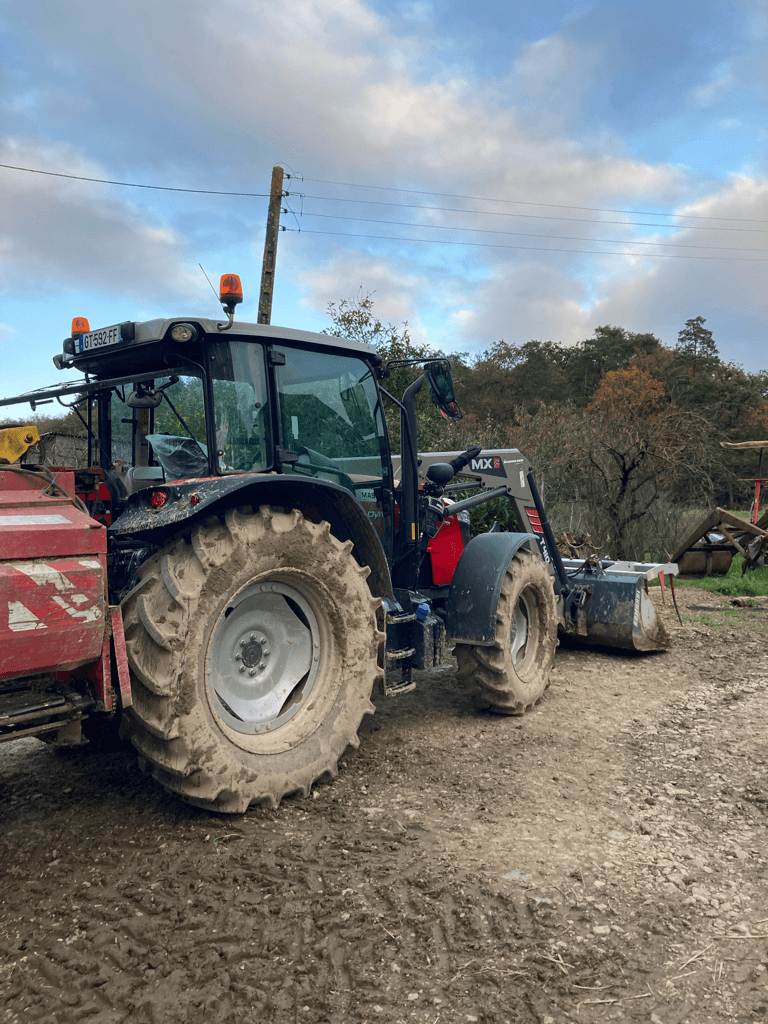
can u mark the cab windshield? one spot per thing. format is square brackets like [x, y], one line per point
[170, 436]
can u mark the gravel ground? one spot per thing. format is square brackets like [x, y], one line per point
[603, 858]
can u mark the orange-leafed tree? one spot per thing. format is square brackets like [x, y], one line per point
[620, 456]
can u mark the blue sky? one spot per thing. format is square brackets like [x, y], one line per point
[596, 128]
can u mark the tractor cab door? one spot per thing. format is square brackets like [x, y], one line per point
[330, 415]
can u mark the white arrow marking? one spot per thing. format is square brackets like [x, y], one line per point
[21, 618]
[42, 574]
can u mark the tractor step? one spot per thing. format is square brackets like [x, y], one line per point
[400, 649]
[30, 708]
[399, 661]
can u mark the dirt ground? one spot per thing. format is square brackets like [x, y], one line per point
[604, 858]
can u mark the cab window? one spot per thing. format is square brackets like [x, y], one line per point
[330, 416]
[240, 405]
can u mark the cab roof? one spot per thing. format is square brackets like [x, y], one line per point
[155, 330]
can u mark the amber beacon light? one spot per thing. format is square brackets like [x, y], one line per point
[230, 291]
[80, 326]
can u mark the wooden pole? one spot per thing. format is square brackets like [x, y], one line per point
[270, 247]
[758, 482]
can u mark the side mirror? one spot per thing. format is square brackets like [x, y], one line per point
[143, 398]
[438, 374]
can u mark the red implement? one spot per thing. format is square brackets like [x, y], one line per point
[52, 578]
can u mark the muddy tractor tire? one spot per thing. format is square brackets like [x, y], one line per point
[254, 646]
[510, 676]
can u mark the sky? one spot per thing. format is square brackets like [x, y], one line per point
[489, 171]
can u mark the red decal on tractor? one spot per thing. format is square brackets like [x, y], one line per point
[534, 520]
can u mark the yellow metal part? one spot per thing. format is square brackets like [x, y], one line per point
[16, 441]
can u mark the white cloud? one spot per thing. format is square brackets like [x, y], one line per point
[336, 92]
[526, 301]
[659, 295]
[65, 234]
[349, 274]
[317, 83]
[418, 10]
[553, 76]
[716, 89]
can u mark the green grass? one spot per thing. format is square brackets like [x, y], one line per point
[753, 583]
[726, 618]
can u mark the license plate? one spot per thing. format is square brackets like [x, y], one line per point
[99, 339]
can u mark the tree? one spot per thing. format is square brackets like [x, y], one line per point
[696, 343]
[609, 348]
[66, 423]
[506, 376]
[620, 456]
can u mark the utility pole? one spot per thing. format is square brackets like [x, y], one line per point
[270, 247]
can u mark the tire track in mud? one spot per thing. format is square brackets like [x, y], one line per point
[301, 915]
[382, 897]
[129, 907]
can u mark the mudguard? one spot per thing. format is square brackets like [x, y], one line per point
[317, 499]
[474, 595]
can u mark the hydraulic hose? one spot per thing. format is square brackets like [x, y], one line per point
[48, 477]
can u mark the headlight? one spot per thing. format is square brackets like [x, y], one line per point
[184, 332]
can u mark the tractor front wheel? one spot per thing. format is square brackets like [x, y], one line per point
[511, 675]
[254, 648]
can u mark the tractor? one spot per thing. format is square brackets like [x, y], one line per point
[237, 563]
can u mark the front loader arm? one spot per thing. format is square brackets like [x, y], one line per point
[491, 469]
[604, 603]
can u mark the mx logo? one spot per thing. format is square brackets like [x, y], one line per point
[488, 464]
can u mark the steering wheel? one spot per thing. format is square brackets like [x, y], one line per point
[316, 468]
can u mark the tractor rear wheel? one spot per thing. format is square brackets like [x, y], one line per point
[510, 676]
[254, 647]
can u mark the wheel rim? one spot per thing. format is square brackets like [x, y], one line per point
[263, 658]
[520, 632]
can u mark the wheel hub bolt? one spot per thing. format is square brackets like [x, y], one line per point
[242, 668]
[252, 672]
[238, 657]
[263, 664]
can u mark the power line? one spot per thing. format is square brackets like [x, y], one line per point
[133, 184]
[524, 202]
[445, 209]
[532, 248]
[526, 234]
[532, 216]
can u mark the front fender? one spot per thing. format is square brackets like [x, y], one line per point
[316, 499]
[474, 594]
